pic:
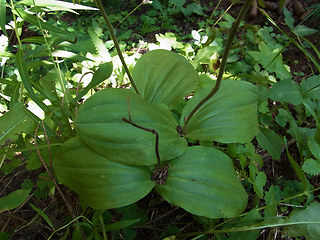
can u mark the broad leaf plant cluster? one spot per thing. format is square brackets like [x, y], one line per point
[177, 122]
[127, 144]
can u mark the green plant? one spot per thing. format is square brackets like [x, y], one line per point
[182, 133]
[118, 117]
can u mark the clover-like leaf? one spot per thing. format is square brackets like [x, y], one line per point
[229, 116]
[101, 126]
[165, 77]
[100, 182]
[203, 182]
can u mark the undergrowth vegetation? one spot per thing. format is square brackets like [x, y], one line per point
[158, 120]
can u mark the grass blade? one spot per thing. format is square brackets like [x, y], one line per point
[13, 199]
[43, 215]
[3, 16]
[26, 81]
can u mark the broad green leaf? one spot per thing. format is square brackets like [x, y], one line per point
[168, 41]
[15, 122]
[121, 224]
[229, 116]
[14, 199]
[302, 31]
[15, 95]
[265, 34]
[203, 182]
[100, 125]
[4, 236]
[311, 166]
[3, 16]
[288, 18]
[68, 55]
[257, 179]
[25, 79]
[207, 54]
[251, 217]
[6, 54]
[314, 147]
[45, 25]
[271, 202]
[35, 39]
[298, 170]
[229, 20]
[37, 52]
[104, 72]
[304, 222]
[286, 91]
[258, 184]
[310, 88]
[177, 3]
[77, 233]
[164, 77]
[193, 8]
[270, 141]
[43, 215]
[271, 59]
[98, 44]
[100, 182]
[306, 217]
[54, 5]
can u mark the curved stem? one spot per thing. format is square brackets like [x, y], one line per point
[143, 2]
[148, 130]
[233, 32]
[116, 44]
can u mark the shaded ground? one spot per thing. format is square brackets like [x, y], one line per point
[25, 223]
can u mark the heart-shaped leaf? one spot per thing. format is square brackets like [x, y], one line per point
[101, 126]
[230, 116]
[165, 77]
[203, 182]
[101, 183]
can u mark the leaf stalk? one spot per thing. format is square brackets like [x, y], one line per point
[233, 33]
[116, 44]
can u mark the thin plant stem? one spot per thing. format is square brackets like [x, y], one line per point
[145, 129]
[103, 228]
[222, 15]
[148, 130]
[51, 175]
[233, 32]
[56, 65]
[116, 44]
[130, 13]
[217, 228]
[15, 27]
[212, 14]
